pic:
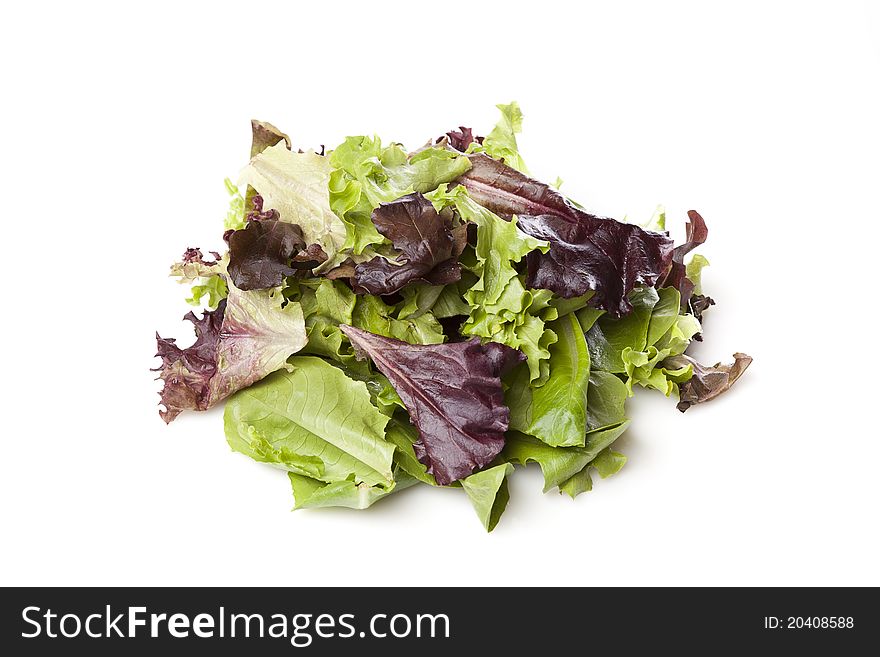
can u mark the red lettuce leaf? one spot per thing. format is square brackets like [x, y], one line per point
[462, 138]
[248, 337]
[265, 135]
[707, 382]
[426, 243]
[586, 252]
[696, 234]
[186, 372]
[453, 394]
[267, 250]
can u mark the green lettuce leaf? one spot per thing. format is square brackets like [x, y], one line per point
[694, 271]
[297, 186]
[500, 307]
[235, 215]
[488, 493]
[558, 409]
[309, 493]
[374, 315]
[404, 436]
[608, 337]
[500, 143]
[559, 464]
[441, 300]
[606, 463]
[366, 174]
[315, 421]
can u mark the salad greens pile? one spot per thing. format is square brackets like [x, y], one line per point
[384, 318]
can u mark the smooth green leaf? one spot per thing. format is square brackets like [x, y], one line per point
[559, 407]
[559, 463]
[488, 493]
[309, 493]
[312, 413]
[608, 337]
[608, 462]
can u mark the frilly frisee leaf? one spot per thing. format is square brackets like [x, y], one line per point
[235, 215]
[499, 242]
[312, 413]
[297, 186]
[488, 492]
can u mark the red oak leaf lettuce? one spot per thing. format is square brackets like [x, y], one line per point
[462, 138]
[453, 394]
[425, 240]
[246, 338]
[707, 382]
[586, 252]
[696, 234]
[266, 251]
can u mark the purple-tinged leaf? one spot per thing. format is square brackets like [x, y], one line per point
[696, 234]
[426, 243]
[462, 138]
[246, 338]
[706, 382]
[453, 394]
[586, 252]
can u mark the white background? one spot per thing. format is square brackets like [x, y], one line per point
[119, 125]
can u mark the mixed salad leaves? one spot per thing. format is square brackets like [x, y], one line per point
[383, 318]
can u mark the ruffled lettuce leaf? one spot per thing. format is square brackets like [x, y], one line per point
[297, 186]
[501, 308]
[246, 338]
[205, 276]
[314, 421]
[637, 346]
[500, 143]
[453, 394]
[586, 252]
[375, 316]
[425, 241]
[366, 174]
